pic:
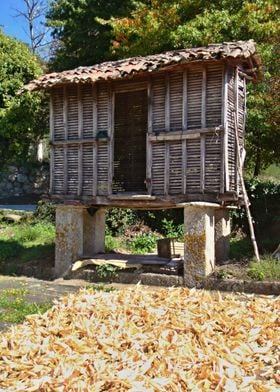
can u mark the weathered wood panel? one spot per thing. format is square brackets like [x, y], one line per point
[102, 168]
[231, 144]
[72, 112]
[72, 169]
[88, 169]
[194, 92]
[175, 168]
[176, 101]
[57, 105]
[193, 165]
[158, 166]
[212, 162]
[102, 107]
[214, 95]
[158, 104]
[58, 173]
[87, 111]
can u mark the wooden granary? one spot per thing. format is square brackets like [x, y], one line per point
[150, 132]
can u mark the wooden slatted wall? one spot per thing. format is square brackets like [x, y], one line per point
[231, 145]
[183, 102]
[80, 160]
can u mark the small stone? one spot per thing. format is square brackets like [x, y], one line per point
[22, 178]
[13, 218]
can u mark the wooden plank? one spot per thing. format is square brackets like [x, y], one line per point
[65, 112]
[225, 124]
[80, 134]
[167, 103]
[94, 109]
[184, 166]
[236, 96]
[51, 124]
[150, 107]
[203, 99]
[94, 170]
[149, 166]
[190, 134]
[222, 168]
[202, 163]
[185, 101]
[166, 169]
[111, 111]
[65, 170]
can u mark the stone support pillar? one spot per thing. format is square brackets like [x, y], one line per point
[222, 235]
[199, 239]
[77, 234]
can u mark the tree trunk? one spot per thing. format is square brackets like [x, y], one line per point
[257, 168]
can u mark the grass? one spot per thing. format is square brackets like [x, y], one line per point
[267, 269]
[14, 308]
[272, 173]
[25, 241]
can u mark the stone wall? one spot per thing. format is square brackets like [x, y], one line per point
[24, 181]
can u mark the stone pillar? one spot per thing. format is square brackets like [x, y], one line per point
[222, 235]
[77, 234]
[199, 242]
[94, 232]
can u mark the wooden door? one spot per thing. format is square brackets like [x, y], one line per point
[130, 128]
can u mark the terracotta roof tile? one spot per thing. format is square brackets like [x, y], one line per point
[243, 50]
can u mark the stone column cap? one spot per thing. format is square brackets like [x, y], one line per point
[204, 204]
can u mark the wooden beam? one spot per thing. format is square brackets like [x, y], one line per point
[189, 134]
[203, 125]
[167, 103]
[185, 101]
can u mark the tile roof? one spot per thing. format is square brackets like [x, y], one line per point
[245, 51]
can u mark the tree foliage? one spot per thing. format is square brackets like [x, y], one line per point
[22, 118]
[80, 37]
[159, 25]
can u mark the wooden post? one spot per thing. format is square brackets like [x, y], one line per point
[51, 146]
[202, 136]
[80, 136]
[65, 124]
[225, 124]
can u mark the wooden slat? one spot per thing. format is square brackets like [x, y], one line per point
[150, 107]
[94, 170]
[158, 103]
[167, 103]
[166, 169]
[158, 166]
[225, 124]
[65, 112]
[175, 168]
[203, 99]
[176, 100]
[189, 134]
[149, 166]
[94, 109]
[80, 134]
[111, 111]
[184, 166]
[51, 120]
[202, 163]
[65, 170]
[185, 101]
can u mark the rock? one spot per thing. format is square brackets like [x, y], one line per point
[22, 178]
[12, 218]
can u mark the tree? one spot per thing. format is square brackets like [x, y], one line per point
[22, 117]
[157, 25]
[33, 12]
[80, 37]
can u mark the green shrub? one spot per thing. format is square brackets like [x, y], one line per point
[118, 220]
[144, 243]
[40, 232]
[45, 211]
[267, 268]
[112, 243]
[107, 271]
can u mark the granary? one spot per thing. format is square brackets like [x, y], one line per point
[160, 131]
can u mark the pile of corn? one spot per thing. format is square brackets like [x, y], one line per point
[137, 340]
